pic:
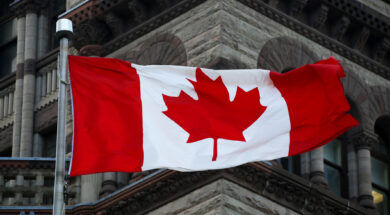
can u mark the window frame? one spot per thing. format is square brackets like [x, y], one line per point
[343, 169]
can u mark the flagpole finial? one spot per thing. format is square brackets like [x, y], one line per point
[64, 28]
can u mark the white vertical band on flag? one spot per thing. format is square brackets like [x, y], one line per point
[165, 142]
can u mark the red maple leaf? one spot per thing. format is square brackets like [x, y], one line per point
[213, 115]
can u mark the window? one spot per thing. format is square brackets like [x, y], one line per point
[334, 167]
[58, 7]
[291, 164]
[49, 144]
[7, 40]
[380, 165]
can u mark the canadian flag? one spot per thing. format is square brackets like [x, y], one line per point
[130, 118]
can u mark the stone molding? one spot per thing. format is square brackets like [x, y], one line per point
[165, 186]
[91, 50]
[22, 7]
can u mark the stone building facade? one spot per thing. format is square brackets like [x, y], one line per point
[348, 176]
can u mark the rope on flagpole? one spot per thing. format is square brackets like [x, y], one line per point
[64, 31]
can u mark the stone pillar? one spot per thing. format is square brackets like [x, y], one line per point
[363, 144]
[90, 187]
[19, 195]
[305, 165]
[109, 184]
[18, 97]
[317, 175]
[29, 84]
[38, 145]
[39, 182]
[42, 33]
[122, 179]
[352, 170]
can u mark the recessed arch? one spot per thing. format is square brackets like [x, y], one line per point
[281, 54]
[165, 49]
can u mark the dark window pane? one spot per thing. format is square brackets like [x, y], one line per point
[7, 58]
[8, 32]
[380, 201]
[286, 163]
[332, 176]
[4, 8]
[380, 173]
[49, 141]
[332, 152]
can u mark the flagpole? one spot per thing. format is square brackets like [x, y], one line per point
[64, 32]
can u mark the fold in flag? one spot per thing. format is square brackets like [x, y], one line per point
[130, 118]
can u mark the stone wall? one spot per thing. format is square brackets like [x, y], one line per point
[229, 30]
[222, 197]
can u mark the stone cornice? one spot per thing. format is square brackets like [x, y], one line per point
[21, 7]
[340, 38]
[164, 186]
[319, 37]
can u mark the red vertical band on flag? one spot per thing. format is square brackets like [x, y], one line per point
[316, 103]
[108, 136]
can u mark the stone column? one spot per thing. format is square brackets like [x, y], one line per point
[39, 182]
[21, 27]
[305, 165]
[363, 144]
[352, 170]
[19, 195]
[90, 187]
[109, 184]
[122, 179]
[38, 145]
[29, 84]
[317, 175]
[42, 33]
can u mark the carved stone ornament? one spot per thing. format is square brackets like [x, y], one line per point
[163, 49]
[91, 32]
[364, 141]
[283, 53]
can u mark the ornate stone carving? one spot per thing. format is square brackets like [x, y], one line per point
[297, 6]
[283, 53]
[364, 141]
[138, 11]
[91, 50]
[161, 49]
[340, 27]
[361, 38]
[320, 15]
[92, 32]
[381, 49]
[318, 37]
[115, 23]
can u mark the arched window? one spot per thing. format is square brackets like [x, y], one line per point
[380, 165]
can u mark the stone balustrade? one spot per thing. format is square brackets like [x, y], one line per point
[29, 181]
[6, 106]
[46, 85]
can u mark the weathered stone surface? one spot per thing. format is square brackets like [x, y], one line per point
[380, 6]
[222, 197]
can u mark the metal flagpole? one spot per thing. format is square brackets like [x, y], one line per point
[64, 31]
